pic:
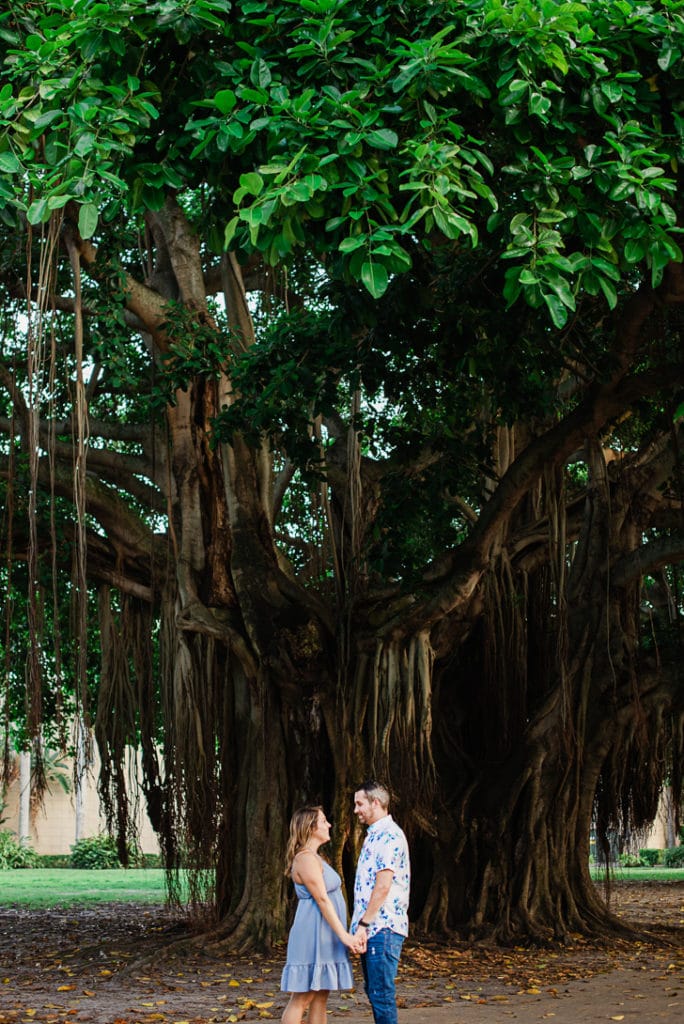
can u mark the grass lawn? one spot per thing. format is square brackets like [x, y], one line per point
[68, 887]
[621, 874]
[63, 887]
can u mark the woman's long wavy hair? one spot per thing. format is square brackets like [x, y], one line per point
[302, 824]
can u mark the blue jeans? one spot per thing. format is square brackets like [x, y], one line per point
[379, 965]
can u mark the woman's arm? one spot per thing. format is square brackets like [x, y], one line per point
[308, 870]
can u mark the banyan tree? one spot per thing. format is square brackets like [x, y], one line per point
[341, 387]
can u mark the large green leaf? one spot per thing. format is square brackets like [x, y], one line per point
[87, 219]
[375, 278]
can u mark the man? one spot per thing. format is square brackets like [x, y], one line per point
[381, 897]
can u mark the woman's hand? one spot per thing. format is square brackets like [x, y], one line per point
[357, 943]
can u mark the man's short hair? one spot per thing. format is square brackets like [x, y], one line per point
[375, 791]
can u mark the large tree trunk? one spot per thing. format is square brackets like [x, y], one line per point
[547, 704]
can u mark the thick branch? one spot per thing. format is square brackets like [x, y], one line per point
[135, 432]
[125, 530]
[647, 559]
[602, 404]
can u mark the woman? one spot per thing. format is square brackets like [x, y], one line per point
[317, 957]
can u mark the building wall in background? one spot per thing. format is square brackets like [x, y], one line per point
[52, 828]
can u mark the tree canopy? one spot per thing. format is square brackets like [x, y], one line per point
[352, 333]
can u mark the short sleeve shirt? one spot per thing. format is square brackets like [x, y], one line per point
[384, 848]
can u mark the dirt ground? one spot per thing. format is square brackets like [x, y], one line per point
[125, 964]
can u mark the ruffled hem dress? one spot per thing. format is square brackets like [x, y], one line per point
[316, 959]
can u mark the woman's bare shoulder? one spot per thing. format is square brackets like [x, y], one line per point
[306, 867]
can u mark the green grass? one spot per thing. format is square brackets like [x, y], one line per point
[67, 887]
[621, 874]
[64, 887]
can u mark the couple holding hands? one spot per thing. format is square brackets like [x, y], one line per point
[319, 943]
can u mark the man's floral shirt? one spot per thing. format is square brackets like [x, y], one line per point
[384, 848]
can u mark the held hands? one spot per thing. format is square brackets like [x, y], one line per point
[357, 943]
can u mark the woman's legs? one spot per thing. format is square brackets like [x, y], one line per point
[315, 1002]
[294, 1011]
[318, 1008]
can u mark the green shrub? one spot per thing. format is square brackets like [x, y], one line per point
[673, 857]
[631, 860]
[54, 860]
[95, 852]
[13, 854]
[152, 860]
[101, 852]
[651, 857]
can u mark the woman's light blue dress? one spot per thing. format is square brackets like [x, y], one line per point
[316, 959]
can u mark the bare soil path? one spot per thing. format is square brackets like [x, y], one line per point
[112, 965]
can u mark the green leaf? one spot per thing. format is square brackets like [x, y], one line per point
[454, 225]
[38, 212]
[252, 183]
[260, 74]
[87, 220]
[539, 104]
[558, 311]
[609, 291]
[231, 228]
[555, 56]
[84, 144]
[668, 55]
[225, 100]
[58, 202]
[375, 278]
[47, 117]
[383, 138]
[528, 276]
[563, 291]
[635, 250]
[259, 96]
[352, 243]
[9, 163]
[609, 269]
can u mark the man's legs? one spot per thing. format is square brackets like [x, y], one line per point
[379, 965]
